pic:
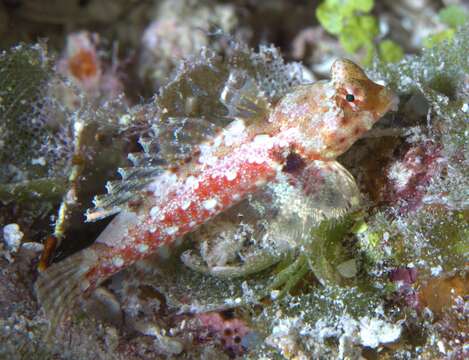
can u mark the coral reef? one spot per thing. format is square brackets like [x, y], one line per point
[383, 279]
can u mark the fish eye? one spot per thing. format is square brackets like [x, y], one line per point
[349, 97]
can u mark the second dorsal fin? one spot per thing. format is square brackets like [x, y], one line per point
[243, 98]
[176, 137]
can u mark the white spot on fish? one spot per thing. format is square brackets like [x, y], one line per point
[264, 140]
[217, 142]
[143, 248]
[118, 261]
[234, 132]
[256, 159]
[155, 212]
[210, 204]
[206, 155]
[163, 184]
[192, 183]
[171, 230]
[231, 174]
[185, 204]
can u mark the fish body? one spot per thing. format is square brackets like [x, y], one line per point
[314, 123]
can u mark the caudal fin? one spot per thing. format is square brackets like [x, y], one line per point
[59, 287]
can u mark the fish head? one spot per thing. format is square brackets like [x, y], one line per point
[363, 101]
[355, 104]
[327, 117]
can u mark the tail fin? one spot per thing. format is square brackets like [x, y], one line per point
[59, 286]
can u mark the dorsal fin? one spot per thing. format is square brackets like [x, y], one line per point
[207, 91]
[167, 144]
[328, 191]
[176, 137]
[243, 98]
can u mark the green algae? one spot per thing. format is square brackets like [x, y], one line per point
[327, 248]
[24, 71]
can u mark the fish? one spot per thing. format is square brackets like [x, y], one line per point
[309, 127]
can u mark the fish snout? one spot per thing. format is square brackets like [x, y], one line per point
[389, 101]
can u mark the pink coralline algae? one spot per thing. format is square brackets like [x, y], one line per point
[410, 177]
[404, 278]
[232, 333]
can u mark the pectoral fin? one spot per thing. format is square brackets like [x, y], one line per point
[324, 190]
[330, 189]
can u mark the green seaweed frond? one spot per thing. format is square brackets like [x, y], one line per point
[452, 16]
[356, 29]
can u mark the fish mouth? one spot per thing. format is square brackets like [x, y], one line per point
[392, 102]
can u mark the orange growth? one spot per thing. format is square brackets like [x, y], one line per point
[83, 65]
